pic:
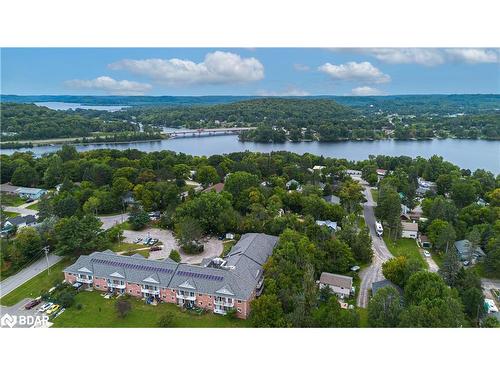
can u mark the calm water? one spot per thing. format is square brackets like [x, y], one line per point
[472, 154]
[61, 106]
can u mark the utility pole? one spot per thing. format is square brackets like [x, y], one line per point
[46, 250]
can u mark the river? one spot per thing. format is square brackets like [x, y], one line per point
[466, 153]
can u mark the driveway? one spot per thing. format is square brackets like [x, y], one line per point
[213, 246]
[22, 210]
[380, 252]
[11, 283]
[112, 220]
[433, 267]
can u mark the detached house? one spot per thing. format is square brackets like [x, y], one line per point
[219, 285]
[339, 284]
[19, 222]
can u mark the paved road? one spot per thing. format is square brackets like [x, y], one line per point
[111, 221]
[380, 253]
[11, 283]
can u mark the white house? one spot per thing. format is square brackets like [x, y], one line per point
[19, 222]
[410, 230]
[339, 284]
[30, 193]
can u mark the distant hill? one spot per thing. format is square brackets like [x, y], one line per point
[402, 104]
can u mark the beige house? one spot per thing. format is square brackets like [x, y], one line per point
[409, 230]
[339, 284]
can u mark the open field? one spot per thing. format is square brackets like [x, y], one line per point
[405, 247]
[99, 312]
[38, 284]
[10, 214]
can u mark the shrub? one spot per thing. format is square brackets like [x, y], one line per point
[166, 320]
[123, 307]
[175, 256]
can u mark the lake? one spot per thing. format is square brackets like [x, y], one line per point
[61, 106]
[466, 153]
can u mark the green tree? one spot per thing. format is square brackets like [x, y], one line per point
[351, 196]
[331, 315]
[78, 236]
[385, 307]
[123, 307]
[442, 234]
[189, 232]
[138, 219]
[166, 320]
[463, 193]
[451, 267]
[400, 269]
[25, 175]
[207, 175]
[425, 285]
[389, 209]
[28, 243]
[267, 312]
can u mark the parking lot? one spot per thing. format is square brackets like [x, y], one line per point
[213, 246]
[20, 313]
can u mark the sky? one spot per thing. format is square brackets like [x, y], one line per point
[258, 71]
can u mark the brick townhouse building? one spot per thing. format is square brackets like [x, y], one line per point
[218, 285]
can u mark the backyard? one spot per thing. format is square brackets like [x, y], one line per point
[97, 311]
[405, 247]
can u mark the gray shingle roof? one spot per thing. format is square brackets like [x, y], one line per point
[336, 280]
[17, 220]
[238, 278]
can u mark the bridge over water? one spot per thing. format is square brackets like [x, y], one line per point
[205, 132]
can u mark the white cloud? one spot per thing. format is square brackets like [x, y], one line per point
[301, 67]
[110, 85]
[422, 56]
[289, 91]
[473, 55]
[365, 91]
[353, 71]
[217, 68]
[432, 56]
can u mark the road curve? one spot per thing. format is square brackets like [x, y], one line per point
[373, 272]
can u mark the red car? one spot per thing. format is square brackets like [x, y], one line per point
[155, 248]
[32, 304]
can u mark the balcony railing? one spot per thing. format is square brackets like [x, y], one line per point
[85, 281]
[224, 303]
[150, 291]
[186, 297]
[117, 286]
[220, 311]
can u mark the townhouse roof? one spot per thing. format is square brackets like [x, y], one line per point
[336, 280]
[237, 278]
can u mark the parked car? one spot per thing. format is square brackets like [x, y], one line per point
[155, 248]
[33, 303]
[221, 237]
[146, 240]
[45, 307]
[355, 268]
[137, 240]
[52, 309]
[427, 254]
[466, 263]
[153, 241]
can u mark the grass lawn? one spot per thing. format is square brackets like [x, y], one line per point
[227, 245]
[40, 283]
[374, 194]
[405, 247]
[11, 200]
[437, 257]
[124, 246]
[363, 317]
[33, 206]
[144, 253]
[9, 214]
[99, 312]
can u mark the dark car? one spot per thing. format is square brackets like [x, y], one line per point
[32, 304]
[155, 248]
[221, 237]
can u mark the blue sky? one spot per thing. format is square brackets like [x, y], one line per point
[260, 71]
